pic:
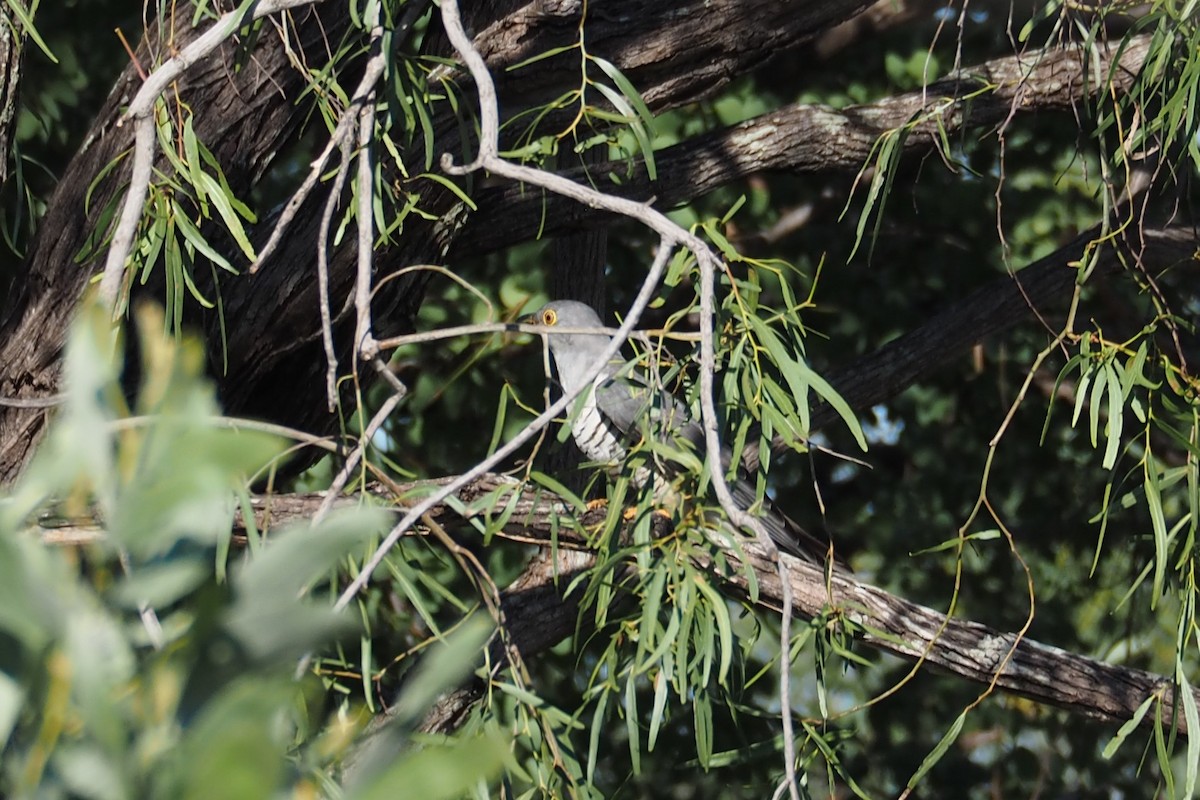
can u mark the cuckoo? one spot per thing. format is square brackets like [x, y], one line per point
[619, 409]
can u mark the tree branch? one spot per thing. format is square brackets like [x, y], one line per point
[539, 616]
[1043, 286]
[966, 649]
[808, 138]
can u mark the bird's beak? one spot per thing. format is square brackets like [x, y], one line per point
[530, 319]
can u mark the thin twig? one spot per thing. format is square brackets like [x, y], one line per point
[364, 342]
[303, 438]
[739, 516]
[331, 204]
[33, 402]
[339, 481]
[364, 96]
[388, 376]
[367, 348]
[513, 327]
[149, 617]
[341, 137]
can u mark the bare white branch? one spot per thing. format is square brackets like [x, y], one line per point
[646, 335]
[343, 476]
[331, 204]
[363, 97]
[340, 139]
[739, 516]
[49, 401]
[364, 341]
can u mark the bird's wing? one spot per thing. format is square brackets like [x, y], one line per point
[787, 534]
[634, 409]
[631, 405]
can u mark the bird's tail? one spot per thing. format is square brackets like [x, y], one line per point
[788, 535]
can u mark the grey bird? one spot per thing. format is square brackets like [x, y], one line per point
[619, 409]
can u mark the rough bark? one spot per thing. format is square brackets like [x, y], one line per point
[12, 41]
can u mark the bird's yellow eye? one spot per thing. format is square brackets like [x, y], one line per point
[549, 317]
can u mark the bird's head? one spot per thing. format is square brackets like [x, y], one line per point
[565, 314]
[573, 352]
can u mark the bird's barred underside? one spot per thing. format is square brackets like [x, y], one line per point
[593, 434]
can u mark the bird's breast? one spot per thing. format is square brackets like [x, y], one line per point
[594, 435]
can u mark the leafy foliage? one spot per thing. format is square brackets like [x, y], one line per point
[104, 697]
[1048, 485]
